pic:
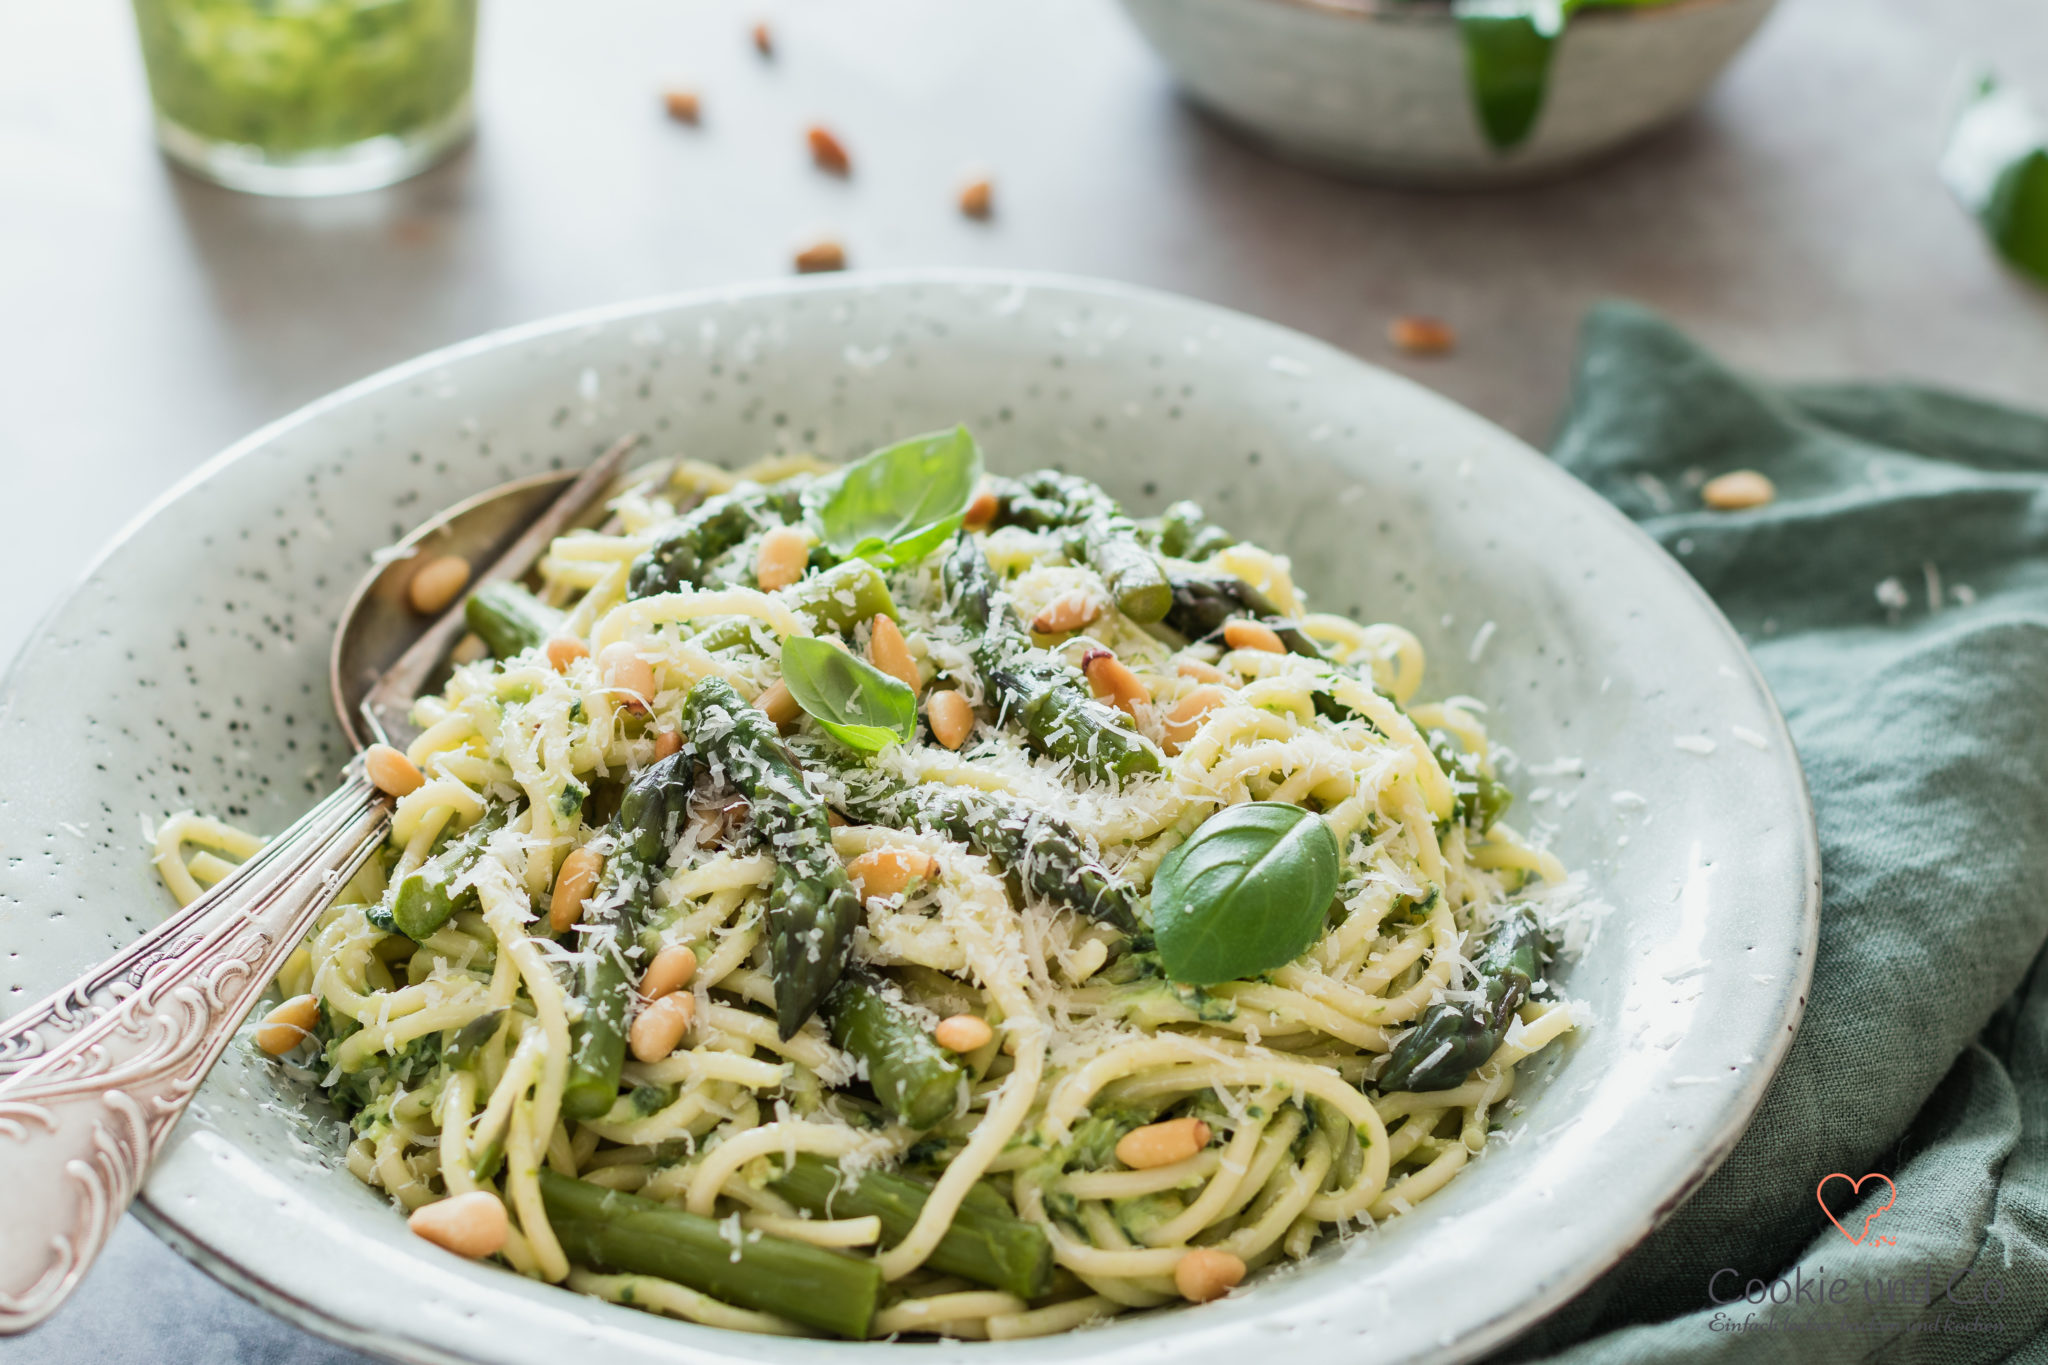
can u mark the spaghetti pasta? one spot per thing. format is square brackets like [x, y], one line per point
[457, 1056]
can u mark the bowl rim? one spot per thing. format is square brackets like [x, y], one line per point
[1437, 13]
[1711, 1147]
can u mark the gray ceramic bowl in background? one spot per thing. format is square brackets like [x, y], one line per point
[188, 670]
[1377, 88]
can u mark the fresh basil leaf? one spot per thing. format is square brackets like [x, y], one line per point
[899, 504]
[1507, 62]
[1248, 893]
[1508, 46]
[857, 704]
[1996, 165]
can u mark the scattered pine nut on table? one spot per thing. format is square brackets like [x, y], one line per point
[1737, 490]
[821, 257]
[1422, 335]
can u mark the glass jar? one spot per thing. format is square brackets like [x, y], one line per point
[302, 97]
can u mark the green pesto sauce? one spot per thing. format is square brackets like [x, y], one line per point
[295, 76]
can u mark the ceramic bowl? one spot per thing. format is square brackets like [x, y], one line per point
[188, 671]
[1378, 88]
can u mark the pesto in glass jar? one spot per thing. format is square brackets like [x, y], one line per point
[295, 77]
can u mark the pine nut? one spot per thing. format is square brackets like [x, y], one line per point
[667, 743]
[1187, 716]
[472, 1225]
[888, 651]
[658, 1029]
[671, 970]
[390, 771]
[778, 703]
[682, 105]
[1201, 672]
[574, 884]
[1113, 681]
[828, 152]
[1734, 491]
[963, 1033]
[886, 872]
[977, 198]
[290, 1024]
[764, 40]
[1422, 336]
[1162, 1144]
[951, 718]
[1206, 1273]
[626, 673]
[820, 257]
[781, 558]
[564, 650]
[982, 510]
[1252, 635]
[435, 584]
[1068, 612]
[468, 650]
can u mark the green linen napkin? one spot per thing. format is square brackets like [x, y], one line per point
[1896, 597]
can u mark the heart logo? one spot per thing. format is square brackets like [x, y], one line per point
[1820, 1193]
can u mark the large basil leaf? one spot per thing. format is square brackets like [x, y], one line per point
[858, 704]
[899, 504]
[1996, 165]
[1248, 893]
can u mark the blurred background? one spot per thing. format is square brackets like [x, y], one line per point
[1795, 220]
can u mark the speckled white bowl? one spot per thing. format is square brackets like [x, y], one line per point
[1377, 88]
[187, 670]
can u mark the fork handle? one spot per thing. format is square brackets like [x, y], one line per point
[93, 1079]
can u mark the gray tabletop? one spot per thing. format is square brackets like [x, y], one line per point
[1795, 222]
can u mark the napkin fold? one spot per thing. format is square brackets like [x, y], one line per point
[1895, 595]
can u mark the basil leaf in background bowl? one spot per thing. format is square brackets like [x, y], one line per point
[1248, 893]
[1996, 165]
[899, 504]
[1508, 46]
[858, 704]
[1507, 64]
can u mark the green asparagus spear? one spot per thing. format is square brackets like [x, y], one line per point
[1045, 855]
[597, 1040]
[834, 601]
[812, 908]
[986, 1242]
[486, 1162]
[1453, 1039]
[1185, 532]
[843, 596]
[468, 1043]
[916, 1079]
[509, 619]
[679, 557]
[1203, 604]
[1060, 718]
[1097, 531]
[623, 1232]
[426, 897]
[650, 811]
[1481, 799]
